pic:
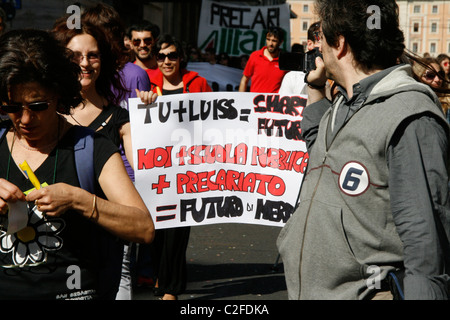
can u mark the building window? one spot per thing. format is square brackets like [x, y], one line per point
[305, 8]
[432, 47]
[415, 47]
[417, 9]
[305, 26]
[434, 27]
[416, 27]
[434, 9]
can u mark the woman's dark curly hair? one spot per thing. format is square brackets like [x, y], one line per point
[372, 47]
[109, 77]
[35, 56]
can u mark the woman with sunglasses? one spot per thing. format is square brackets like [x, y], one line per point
[433, 75]
[174, 78]
[169, 247]
[67, 246]
[429, 71]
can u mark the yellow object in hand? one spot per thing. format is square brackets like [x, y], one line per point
[30, 174]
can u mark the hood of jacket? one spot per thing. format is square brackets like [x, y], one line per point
[401, 80]
[187, 76]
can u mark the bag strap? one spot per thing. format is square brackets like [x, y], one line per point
[102, 117]
[84, 157]
[2, 131]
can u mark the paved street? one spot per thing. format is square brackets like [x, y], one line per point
[231, 262]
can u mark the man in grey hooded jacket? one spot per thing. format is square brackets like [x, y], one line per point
[375, 197]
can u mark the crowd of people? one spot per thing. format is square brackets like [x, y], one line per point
[376, 127]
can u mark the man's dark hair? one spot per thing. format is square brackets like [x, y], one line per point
[277, 32]
[371, 47]
[144, 25]
[35, 56]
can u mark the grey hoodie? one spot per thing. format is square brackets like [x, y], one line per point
[343, 226]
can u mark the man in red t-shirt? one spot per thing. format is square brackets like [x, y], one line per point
[262, 67]
[143, 37]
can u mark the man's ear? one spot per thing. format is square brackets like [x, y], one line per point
[341, 47]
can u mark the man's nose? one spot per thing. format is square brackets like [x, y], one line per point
[27, 115]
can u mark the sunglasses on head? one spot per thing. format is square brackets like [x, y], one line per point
[430, 75]
[173, 56]
[35, 107]
[137, 42]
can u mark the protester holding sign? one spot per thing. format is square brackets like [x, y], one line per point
[170, 244]
[174, 78]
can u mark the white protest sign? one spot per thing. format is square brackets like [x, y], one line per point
[204, 158]
[240, 29]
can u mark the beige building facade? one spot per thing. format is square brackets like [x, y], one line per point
[426, 24]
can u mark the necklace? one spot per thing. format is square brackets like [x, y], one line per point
[42, 148]
[31, 149]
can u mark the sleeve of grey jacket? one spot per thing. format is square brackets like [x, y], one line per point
[312, 115]
[418, 180]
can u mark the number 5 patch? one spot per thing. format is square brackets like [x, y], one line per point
[354, 179]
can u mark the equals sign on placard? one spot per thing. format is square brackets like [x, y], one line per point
[165, 217]
[244, 114]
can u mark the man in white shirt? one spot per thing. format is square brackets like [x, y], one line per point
[293, 82]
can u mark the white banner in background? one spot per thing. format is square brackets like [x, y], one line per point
[204, 158]
[238, 30]
[219, 77]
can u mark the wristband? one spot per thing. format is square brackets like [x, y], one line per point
[312, 85]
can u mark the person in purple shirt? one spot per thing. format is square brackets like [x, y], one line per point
[133, 77]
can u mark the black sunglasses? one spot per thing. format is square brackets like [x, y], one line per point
[137, 42]
[173, 56]
[430, 75]
[35, 107]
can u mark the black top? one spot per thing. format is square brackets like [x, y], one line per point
[111, 125]
[69, 240]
